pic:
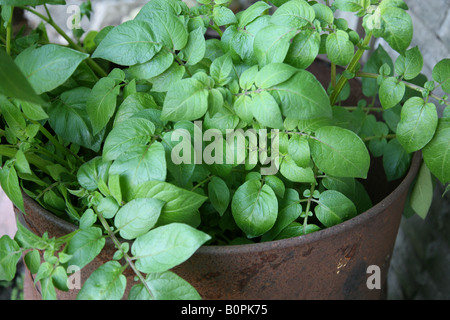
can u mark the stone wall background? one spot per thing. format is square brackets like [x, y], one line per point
[421, 258]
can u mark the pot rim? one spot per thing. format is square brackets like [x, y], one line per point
[278, 244]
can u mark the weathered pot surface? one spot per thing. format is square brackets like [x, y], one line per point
[346, 261]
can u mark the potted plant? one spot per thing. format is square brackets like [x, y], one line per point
[152, 146]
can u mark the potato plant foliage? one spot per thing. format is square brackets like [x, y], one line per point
[92, 131]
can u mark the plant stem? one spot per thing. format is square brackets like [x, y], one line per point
[308, 205]
[97, 69]
[333, 75]
[216, 28]
[388, 136]
[9, 33]
[125, 255]
[351, 68]
[407, 84]
[202, 182]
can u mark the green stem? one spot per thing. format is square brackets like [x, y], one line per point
[95, 67]
[10, 152]
[388, 136]
[202, 182]
[351, 68]
[308, 205]
[9, 33]
[333, 75]
[128, 259]
[407, 84]
[55, 142]
[216, 28]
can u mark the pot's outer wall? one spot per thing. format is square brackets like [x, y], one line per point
[328, 264]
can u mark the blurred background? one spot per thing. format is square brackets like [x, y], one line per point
[421, 258]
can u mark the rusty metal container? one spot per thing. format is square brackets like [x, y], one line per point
[329, 264]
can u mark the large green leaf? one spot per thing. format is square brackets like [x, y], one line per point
[133, 131]
[129, 43]
[273, 74]
[422, 192]
[181, 205]
[297, 14]
[137, 217]
[10, 255]
[417, 124]
[69, 119]
[219, 194]
[167, 27]
[397, 28]
[167, 246]
[340, 49]
[272, 43]
[255, 208]
[14, 84]
[396, 160]
[49, 66]
[9, 182]
[441, 74]
[391, 92]
[409, 65]
[140, 163]
[334, 208]
[85, 245]
[164, 286]
[105, 283]
[304, 49]
[266, 110]
[302, 97]
[340, 152]
[188, 100]
[436, 153]
[101, 103]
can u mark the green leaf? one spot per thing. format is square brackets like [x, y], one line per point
[219, 194]
[409, 65]
[49, 66]
[351, 5]
[273, 74]
[10, 255]
[243, 106]
[133, 131]
[295, 14]
[255, 208]
[352, 189]
[302, 97]
[105, 283]
[164, 286]
[396, 160]
[140, 163]
[187, 100]
[436, 153]
[156, 66]
[69, 119]
[223, 16]
[397, 28]
[303, 49]
[181, 204]
[340, 152]
[340, 49]
[133, 105]
[137, 217]
[391, 92]
[334, 208]
[129, 43]
[272, 43]
[266, 110]
[194, 51]
[298, 149]
[90, 172]
[14, 84]
[85, 245]
[276, 184]
[289, 210]
[422, 192]
[167, 27]
[290, 170]
[170, 77]
[101, 104]
[167, 246]
[248, 77]
[252, 12]
[33, 111]
[323, 13]
[417, 124]
[221, 68]
[441, 74]
[9, 182]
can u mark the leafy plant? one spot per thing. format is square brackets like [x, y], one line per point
[115, 134]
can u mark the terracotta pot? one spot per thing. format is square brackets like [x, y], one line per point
[329, 264]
